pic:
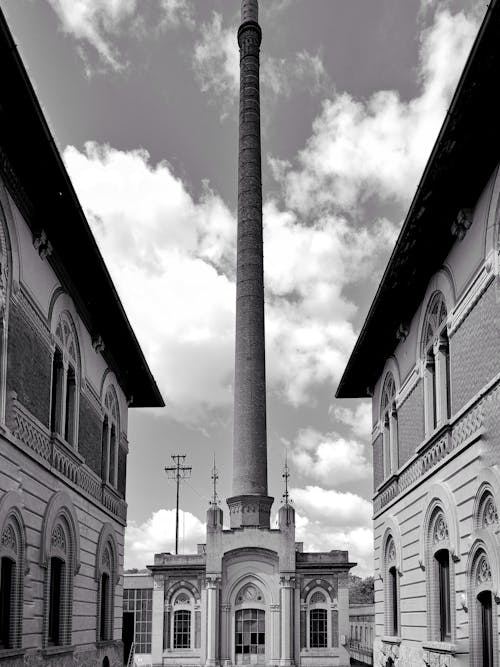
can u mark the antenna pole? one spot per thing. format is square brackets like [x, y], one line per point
[178, 472]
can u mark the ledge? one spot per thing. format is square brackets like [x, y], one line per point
[6, 653]
[55, 650]
[389, 639]
[440, 647]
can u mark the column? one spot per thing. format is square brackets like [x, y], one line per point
[441, 381]
[429, 395]
[274, 626]
[286, 595]
[212, 619]
[386, 441]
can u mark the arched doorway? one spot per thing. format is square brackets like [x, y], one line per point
[250, 640]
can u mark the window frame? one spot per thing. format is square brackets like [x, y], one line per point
[323, 605]
[13, 549]
[65, 382]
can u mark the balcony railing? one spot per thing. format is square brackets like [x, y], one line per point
[53, 452]
[435, 449]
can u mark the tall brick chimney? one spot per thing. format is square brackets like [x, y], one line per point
[250, 504]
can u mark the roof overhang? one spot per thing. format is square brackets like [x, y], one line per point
[464, 156]
[34, 167]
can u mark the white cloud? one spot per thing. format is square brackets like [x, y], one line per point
[160, 245]
[359, 419]
[96, 22]
[327, 519]
[157, 535]
[378, 147]
[329, 458]
[172, 259]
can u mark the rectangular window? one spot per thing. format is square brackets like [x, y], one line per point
[55, 599]
[318, 630]
[443, 562]
[182, 629]
[140, 602]
[69, 425]
[56, 392]
[6, 602]
[393, 593]
[486, 628]
[104, 608]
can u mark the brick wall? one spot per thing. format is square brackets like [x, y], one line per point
[122, 470]
[90, 434]
[475, 350]
[411, 423]
[29, 367]
[378, 461]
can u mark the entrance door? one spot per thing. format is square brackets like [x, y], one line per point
[250, 637]
[127, 634]
[486, 627]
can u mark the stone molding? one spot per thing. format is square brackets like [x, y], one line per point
[463, 429]
[477, 288]
[55, 455]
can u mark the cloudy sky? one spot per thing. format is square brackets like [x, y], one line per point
[141, 96]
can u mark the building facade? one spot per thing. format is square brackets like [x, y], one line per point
[251, 595]
[362, 633]
[236, 603]
[429, 356]
[66, 382]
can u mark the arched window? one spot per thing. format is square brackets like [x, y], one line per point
[60, 556]
[182, 620]
[60, 586]
[391, 592]
[389, 419]
[250, 625]
[435, 352]
[106, 577]
[110, 438]
[483, 618]
[65, 374]
[319, 631]
[12, 563]
[440, 581]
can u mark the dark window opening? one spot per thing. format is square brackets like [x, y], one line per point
[6, 590]
[104, 608]
[393, 597]
[56, 392]
[443, 564]
[486, 628]
[69, 423]
[55, 601]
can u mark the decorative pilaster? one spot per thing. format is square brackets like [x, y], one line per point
[158, 619]
[287, 587]
[213, 584]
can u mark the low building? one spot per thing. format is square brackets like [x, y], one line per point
[362, 633]
[258, 612]
[429, 356]
[70, 366]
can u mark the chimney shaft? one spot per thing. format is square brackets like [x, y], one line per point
[250, 504]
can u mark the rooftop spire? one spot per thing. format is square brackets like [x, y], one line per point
[215, 478]
[250, 504]
[286, 476]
